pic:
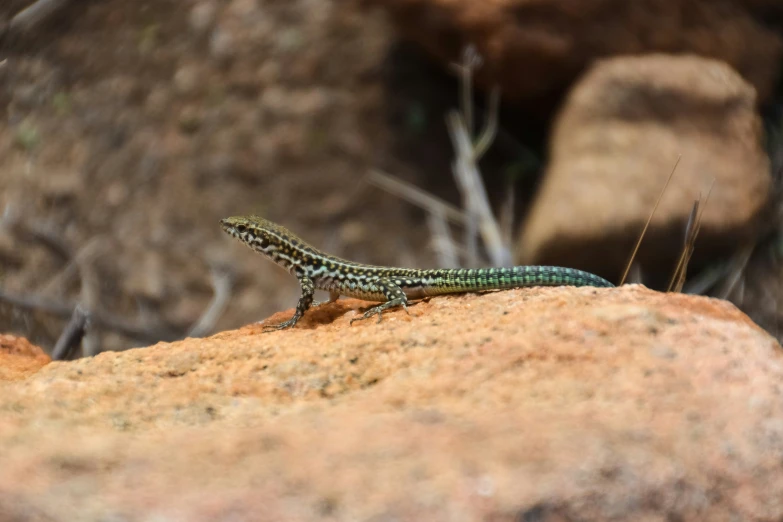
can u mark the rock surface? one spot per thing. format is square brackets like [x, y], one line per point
[19, 358]
[538, 404]
[534, 47]
[614, 144]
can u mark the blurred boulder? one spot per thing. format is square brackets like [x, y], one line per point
[614, 144]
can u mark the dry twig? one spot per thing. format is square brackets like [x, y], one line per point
[100, 319]
[41, 233]
[474, 194]
[89, 299]
[34, 14]
[442, 242]
[416, 196]
[72, 335]
[465, 168]
[649, 219]
[84, 256]
[222, 282]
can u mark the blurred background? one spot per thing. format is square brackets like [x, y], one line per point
[130, 128]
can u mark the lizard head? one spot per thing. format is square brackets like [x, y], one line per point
[264, 236]
[269, 239]
[254, 231]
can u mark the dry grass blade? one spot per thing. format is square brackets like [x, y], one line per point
[739, 263]
[678, 277]
[700, 284]
[646, 225]
[692, 232]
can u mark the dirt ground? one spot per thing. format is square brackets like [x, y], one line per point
[131, 128]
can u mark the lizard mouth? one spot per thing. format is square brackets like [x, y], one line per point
[228, 228]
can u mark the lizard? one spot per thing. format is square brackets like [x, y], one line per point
[392, 287]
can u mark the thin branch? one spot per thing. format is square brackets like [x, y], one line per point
[90, 300]
[473, 192]
[649, 219]
[99, 319]
[86, 254]
[222, 282]
[416, 196]
[471, 60]
[471, 235]
[72, 335]
[491, 128]
[35, 14]
[506, 219]
[38, 232]
[465, 168]
[442, 242]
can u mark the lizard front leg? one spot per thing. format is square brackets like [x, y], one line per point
[305, 301]
[394, 297]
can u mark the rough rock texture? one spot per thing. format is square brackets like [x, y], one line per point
[532, 47]
[19, 358]
[538, 404]
[614, 145]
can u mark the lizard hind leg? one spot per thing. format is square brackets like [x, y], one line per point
[394, 297]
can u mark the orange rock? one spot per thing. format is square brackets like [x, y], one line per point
[19, 358]
[556, 403]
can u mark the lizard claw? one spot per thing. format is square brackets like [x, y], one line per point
[280, 326]
[366, 315]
